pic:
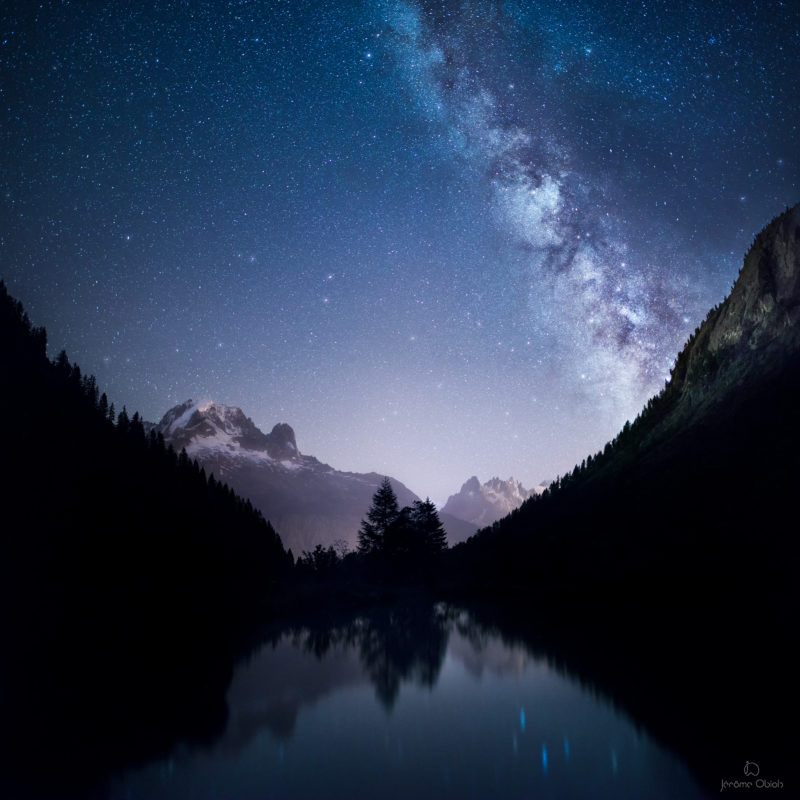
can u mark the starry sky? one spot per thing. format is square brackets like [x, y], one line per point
[437, 238]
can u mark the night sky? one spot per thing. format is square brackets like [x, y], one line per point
[437, 238]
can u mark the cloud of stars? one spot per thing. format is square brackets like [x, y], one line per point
[438, 238]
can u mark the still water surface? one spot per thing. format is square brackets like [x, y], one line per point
[412, 704]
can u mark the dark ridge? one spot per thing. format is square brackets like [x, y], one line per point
[121, 565]
[703, 475]
[673, 552]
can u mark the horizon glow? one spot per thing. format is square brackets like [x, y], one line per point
[437, 239]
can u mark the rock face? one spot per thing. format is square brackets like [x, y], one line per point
[764, 304]
[481, 505]
[662, 505]
[752, 333]
[281, 442]
[212, 426]
[307, 502]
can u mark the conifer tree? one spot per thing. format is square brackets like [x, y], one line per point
[382, 513]
[425, 519]
[123, 421]
[402, 540]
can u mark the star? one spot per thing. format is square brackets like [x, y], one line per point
[525, 201]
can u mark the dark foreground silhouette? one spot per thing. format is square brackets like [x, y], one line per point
[71, 732]
[665, 567]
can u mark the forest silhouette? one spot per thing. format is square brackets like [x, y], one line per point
[123, 564]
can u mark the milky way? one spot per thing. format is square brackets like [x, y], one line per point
[437, 238]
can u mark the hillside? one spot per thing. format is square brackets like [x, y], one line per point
[126, 576]
[670, 559]
[106, 506]
[697, 491]
[309, 503]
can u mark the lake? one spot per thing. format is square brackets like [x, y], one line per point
[412, 702]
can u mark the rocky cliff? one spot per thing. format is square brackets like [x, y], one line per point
[664, 504]
[755, 332]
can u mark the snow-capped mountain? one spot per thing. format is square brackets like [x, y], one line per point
[482, 505]
[211, 431]
[308, 502]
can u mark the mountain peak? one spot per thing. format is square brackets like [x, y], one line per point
[309, 502]
[472, 486]
[282, 442]
[484, 504]
[749, 335]
[763, 303]
[208, 425]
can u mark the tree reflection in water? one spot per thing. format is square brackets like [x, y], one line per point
[414, 698]
[395, 644]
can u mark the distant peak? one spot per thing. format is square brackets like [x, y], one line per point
[209, 424]
[483, 504]
[472, 485]
[282, 440]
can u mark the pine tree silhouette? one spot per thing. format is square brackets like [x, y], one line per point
[372, 538]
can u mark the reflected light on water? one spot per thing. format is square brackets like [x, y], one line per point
[411, 703]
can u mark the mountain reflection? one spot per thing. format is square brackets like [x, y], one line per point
[306, 692]
[386, 647]
[401, 644]
[413, 698]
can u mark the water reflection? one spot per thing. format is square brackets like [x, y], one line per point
[395, 645]
[385, 648]
[415, 700]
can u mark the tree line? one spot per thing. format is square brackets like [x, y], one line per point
[393, 543]
[130, 520]
[102, 523]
